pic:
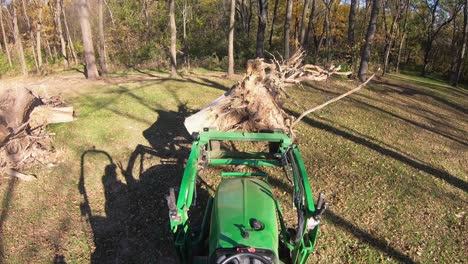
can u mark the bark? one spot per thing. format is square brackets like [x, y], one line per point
[366, 51]
[303, 21]
[173, 29]
[31, 34]
[461, 54]
[58, 21]
[102, 42]
[310, 26]
[287, 28]
[67, 32]
[91, 69]
[262, 20]
[231, 39]
[5, 42]
[275, 11]
[18, 40]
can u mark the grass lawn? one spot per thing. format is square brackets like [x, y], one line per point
[392, 160]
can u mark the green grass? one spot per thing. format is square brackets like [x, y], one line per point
[392, 160]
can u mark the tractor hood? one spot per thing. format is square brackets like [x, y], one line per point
[244, 216]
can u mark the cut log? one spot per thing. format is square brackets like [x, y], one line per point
[44, 115]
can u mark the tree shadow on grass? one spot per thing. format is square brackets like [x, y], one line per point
[136, 226]
[377, 243]
[438, 173]
[433, 129]
[12, 182]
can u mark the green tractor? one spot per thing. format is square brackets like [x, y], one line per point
[243, 222]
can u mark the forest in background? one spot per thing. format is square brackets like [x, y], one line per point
[424, 36]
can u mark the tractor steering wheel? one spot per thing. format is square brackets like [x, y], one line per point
[246, 254]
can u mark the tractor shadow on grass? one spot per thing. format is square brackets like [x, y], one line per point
[136, 226]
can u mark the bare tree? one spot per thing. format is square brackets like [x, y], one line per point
[287, 28]
[58, 22]
[366, 51]
[262, 20]
[18, 41]
[231, 39]
[461, 54]
[5, 42]
[173, 28]
[91, 69]
[102, 42]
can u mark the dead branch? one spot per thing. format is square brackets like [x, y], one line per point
[331, 101]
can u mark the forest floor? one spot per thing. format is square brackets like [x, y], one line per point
[392, 160]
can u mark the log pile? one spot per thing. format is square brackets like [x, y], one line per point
[255, 103]
[24, 141]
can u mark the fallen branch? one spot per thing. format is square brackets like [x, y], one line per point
[331, 101]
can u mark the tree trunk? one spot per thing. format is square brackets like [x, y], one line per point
[173, 28]
[231, 39]
[249, 20]
[327, 25]
[351, 23]
[31, 34]
[67, 31]
[102, 42]
[185, 11]
[403, 37]
[366, 51]
[275, 11]
[462, 52]
[38, 32]
[18, 41]
[310, 26]
[262, 20]
[287, 28]
[303, 21]
[389, 38]
[91, 69]
[400, 48]
[58, 12]
[5, 42]
[453, 52]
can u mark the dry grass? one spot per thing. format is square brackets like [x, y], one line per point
[392, 160]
